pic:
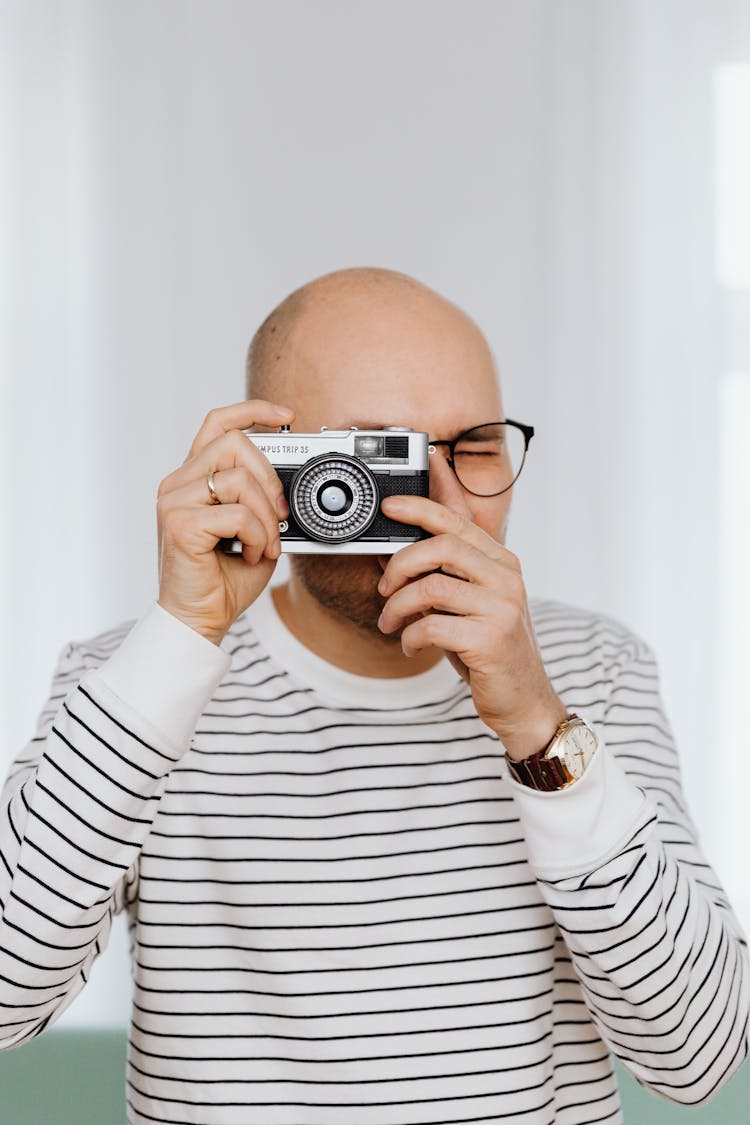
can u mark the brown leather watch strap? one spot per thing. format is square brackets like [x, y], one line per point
[540, 772]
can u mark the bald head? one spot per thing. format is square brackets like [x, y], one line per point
[354, 309]
[374, 348]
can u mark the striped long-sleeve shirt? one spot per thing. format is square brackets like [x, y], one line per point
[342, 909]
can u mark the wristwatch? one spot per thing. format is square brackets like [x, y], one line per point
[562, 762]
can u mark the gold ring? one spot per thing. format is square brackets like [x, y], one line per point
[210, 482]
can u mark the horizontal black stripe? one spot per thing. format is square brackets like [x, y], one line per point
[316, 1037]
[348, 902]
[486, 802]
[215, 1103]
[497, 844]
[520, 953]
[214, 837]
[415, 1010]
[348, 1059]
[415, 986]
[342, 948]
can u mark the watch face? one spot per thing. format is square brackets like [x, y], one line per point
[576, 748]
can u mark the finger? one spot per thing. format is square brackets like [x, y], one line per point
[231, 450]
[447, 552]
[437, 519]
[197, 531]
[451, 634]
[437, 592]
[239, 416]
[232, 486]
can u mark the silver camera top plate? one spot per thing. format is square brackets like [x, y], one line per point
[391, 448]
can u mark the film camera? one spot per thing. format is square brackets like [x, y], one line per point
[334, 481]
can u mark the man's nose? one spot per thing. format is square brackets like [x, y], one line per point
[445, 487]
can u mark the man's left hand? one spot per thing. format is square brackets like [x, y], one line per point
[472, 601]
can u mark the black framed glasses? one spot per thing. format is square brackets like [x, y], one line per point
[488, 459]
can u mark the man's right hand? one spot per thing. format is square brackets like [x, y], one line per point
[201, 586]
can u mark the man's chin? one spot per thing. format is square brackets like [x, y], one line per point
[346, 585]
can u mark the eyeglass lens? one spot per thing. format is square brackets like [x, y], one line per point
[488, 458]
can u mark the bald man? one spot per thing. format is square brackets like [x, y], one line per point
[397, 844]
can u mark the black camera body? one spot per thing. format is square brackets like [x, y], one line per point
[334, 482]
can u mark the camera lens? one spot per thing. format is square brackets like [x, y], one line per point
[334, 498]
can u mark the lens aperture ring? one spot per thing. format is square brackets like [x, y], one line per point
[336, 472]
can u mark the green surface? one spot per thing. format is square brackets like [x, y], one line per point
[731, 1106]
[78, 1078]
[64, 1078]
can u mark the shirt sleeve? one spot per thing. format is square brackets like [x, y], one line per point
[78, 804]
[653, 940]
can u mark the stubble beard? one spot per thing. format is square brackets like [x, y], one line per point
[346, 587]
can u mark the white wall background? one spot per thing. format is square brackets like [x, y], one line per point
[171, 169]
